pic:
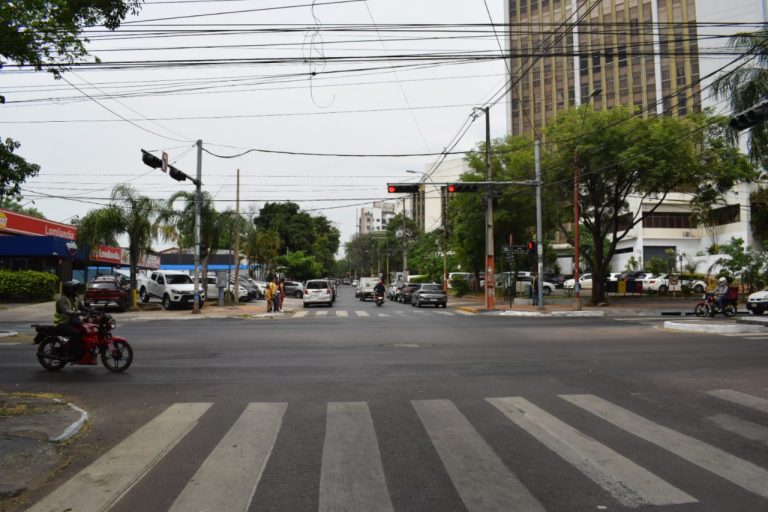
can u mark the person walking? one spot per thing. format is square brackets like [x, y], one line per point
[280, 294]
[269, 294]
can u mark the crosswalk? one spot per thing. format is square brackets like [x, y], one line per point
[377, 313]
[352, 476]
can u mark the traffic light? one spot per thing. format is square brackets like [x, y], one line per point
[402, 188]
[751, 117]
[151, 160]
[176, 174]
[203, 251]
[462, 187]
[531, 248]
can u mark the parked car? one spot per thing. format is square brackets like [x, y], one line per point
[457, 275]
[429, 294]
[394, 289]
[585, 280]
[555, 279]
[106, 291]
[317, 291]
[174, 288]
[254, 290]
[365, 287]
[294, 289]
[547, 288]
[212, 290]
[757, 303]
[404, 297]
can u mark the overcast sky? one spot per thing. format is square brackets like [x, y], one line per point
[86, 140]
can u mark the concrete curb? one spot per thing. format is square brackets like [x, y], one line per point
[74, 427]
[714, 328]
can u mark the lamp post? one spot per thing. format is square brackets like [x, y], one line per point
[444, 223]
[576, 238]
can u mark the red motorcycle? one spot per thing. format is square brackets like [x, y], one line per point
[709, 306]
[97, 340]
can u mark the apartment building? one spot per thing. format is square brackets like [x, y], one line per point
[376, 217]
[657, 55]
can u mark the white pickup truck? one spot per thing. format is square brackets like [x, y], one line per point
[174, 288]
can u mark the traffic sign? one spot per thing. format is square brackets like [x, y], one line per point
[509, 250]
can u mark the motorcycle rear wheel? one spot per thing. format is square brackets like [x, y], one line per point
[119, 358]
[701, 309]
[49, 351]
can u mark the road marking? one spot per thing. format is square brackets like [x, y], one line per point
[754, 335]
[342, 313]
[480, 477]
[753, 402]
[351, 475]
[321, 313]
[630, 484]
[100, 485]
[740, 427]
[362, 313]
[236, 464]
[299, 314]
[446, 313]
[738, 471]
[465, 313]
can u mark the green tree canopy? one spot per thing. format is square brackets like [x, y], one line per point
[14, 170]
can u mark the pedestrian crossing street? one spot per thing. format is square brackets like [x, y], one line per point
[374, 313]
[659, 322]
[352, 476]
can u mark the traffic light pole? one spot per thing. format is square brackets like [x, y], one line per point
[490, 282]
[198, 206]
[539, 234]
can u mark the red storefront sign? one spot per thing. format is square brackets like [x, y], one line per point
[21, 224]
[113, 255]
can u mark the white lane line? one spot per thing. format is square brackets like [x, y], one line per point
[342, 313]
[630, 484]
[446, 313]
[321, 313]
[737, 397]
[351, 475]
[480, 477]
[384, 314]
[299, 314]
[100, 485]
[740, 427]
[734, 469]
[362, 313]
[227, 479]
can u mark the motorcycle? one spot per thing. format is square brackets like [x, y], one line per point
[379, 299]
[709, 306]
[96, 338]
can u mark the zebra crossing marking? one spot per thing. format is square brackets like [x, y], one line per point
[740, 427]
[362, 313]
[342, 313]
[351, 474]
[321, 313]
[480, 477]
[100, 485]
[446, 313]
[299, 314]
[734, 469]
[236, 464]
[630, 484]
[737, 397]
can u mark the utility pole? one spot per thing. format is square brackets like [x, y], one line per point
[237, 242]
[490, 292]
[539, 235]
[198, 206]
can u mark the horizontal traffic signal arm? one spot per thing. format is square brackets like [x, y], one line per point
[475, 186]
[402, 188]
[751, 117]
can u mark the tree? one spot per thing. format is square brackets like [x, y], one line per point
[300, 266]
[747, 84]
[402, 232]
[14, 204]
[47, 33]
[744, 264]
[626, 155]
[129, 214]
[14, 170]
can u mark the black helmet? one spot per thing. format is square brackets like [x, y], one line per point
[71, 288]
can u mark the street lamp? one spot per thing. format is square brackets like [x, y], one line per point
[444, 222]
[576, 239]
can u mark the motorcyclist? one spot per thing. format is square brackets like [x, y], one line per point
[379, 289]
[721, 292]
[67, 317]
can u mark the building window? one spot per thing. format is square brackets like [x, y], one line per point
[667, 220]
[726, 215]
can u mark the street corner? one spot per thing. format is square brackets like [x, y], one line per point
[713, 328]
[33, 427]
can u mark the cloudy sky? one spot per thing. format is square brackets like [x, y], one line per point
[263, 79]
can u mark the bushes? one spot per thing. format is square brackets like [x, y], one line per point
[460, 287]
[27, 285]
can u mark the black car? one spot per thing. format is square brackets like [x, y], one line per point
[404, 295]
[429, 294]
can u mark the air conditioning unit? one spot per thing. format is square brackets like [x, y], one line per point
[686, 234]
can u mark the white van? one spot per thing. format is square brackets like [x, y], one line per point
[457, 275]
[365, 287]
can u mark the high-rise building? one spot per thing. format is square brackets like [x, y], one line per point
[376, 217]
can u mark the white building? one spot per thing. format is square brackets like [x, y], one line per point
[376, 218]
[429, 204]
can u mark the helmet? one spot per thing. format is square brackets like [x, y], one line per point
[71, 288]
[722, 280]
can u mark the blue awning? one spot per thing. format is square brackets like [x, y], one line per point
[48, 246]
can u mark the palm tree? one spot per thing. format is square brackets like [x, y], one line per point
[747, 85]
[130, 214]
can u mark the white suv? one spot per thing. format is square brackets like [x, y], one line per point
[318, 291]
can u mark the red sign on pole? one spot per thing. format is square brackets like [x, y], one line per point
[21, 224]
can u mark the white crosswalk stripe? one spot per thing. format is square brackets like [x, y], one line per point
[236, 464]
[299, 314]
[630, 484]
[362, 313]
[353, 476]
[342, 313]
[734, 469]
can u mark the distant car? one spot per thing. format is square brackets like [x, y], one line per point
[394, 289]
[106, 291]
[757, 303]
[404, 296]
[212, 290]
[429, 294]
[294, 289]
[318, 291]
[254, 290]
[365, 287]
[585, 280]
[555, 279]
[547, 288]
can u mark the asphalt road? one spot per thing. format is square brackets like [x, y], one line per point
[397, 408]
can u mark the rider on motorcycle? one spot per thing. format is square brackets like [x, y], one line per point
[721, 292]
[379, 289]
[67, 317]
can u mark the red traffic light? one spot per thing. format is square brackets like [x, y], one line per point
[402, 188]
[531, 245]
[452, 188]
[462, 187]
